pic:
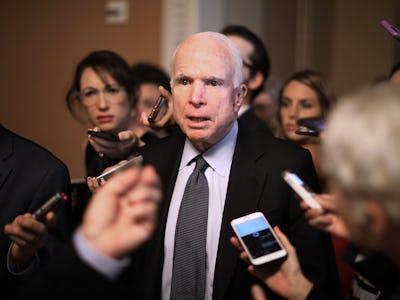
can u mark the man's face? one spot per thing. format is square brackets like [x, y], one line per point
[205, 100]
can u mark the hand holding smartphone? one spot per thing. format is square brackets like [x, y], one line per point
[133, 162]
[49, 205]
[258, 238]
[301, 188]
[104, 135]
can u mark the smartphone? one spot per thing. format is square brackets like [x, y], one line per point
[133, 162]
[393, 30]
[310, 126]
[258, 238]
[303, 130]
[49, 205]
[301, 188]
[104, 135]
[160, 105]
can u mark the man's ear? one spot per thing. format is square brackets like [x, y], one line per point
[240, 94]
[256, 81]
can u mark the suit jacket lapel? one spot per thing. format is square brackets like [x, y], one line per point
[247, 178]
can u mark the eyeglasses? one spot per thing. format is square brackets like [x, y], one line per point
[90, 96]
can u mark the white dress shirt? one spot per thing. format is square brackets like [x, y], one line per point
[219, 159]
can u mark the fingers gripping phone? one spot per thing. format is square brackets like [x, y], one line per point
[160, 106]
[104, 135]
[133, 162]
[300, 188]
[258, 238]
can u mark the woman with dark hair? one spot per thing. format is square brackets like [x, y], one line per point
[103, 93]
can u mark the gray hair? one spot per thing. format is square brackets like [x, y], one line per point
[233, 51]
[361, 149]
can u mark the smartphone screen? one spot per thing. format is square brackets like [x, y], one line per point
[300, 188]
[258, 238]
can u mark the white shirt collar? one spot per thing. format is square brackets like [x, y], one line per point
[217, 156]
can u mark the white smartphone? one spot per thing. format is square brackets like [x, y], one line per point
[136, 161]
[258, 238]
[301, 188]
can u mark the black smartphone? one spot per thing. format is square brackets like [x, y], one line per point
[50, 204]
[393, 30]
[160, 105]
[258, 238]
[104, 135]
[310, 126]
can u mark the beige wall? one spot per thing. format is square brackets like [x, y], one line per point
[341, 38]
[42, 41]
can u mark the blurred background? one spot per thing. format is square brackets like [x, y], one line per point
[43, 40]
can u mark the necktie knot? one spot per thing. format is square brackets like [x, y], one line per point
[201, 164]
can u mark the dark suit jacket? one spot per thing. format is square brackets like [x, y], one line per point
[249, 122]
[29, 175]
[255, 184]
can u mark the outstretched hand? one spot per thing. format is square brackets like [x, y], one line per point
[123, 213]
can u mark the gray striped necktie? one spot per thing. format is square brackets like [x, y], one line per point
[189, 266]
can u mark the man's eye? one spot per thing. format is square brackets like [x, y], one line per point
[214, 82]
[183, 81]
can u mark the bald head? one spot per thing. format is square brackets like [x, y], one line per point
[212, 42]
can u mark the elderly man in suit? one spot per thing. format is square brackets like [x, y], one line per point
[244, 175]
